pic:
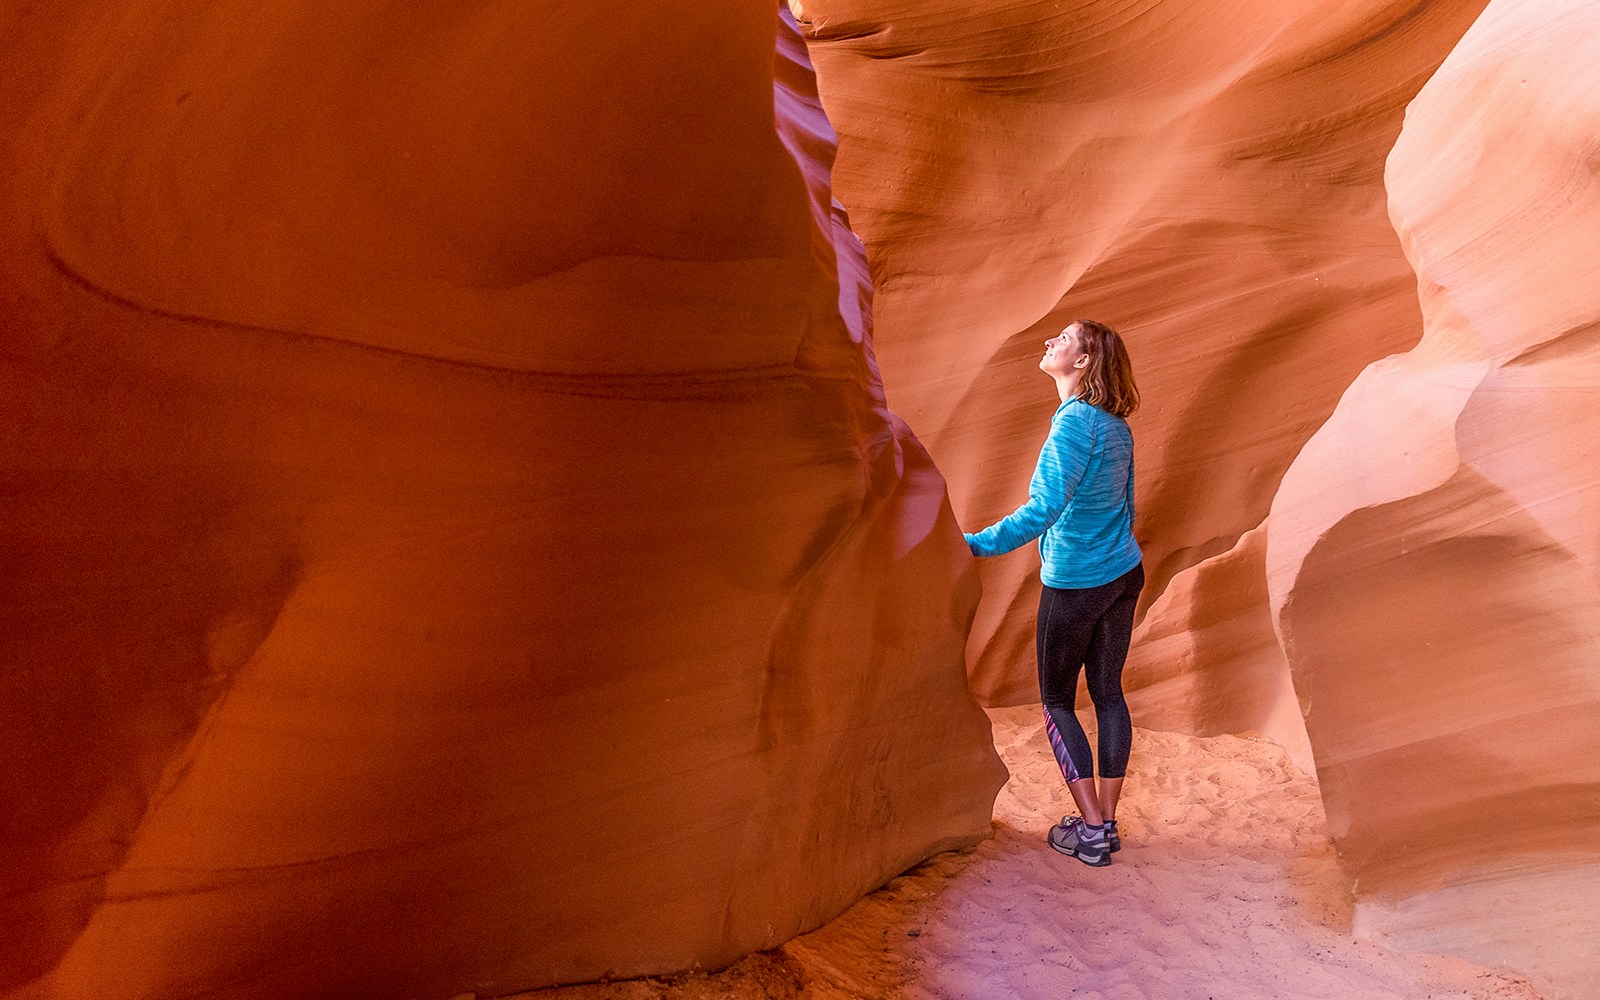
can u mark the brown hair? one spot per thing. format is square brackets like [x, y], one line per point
[1107, 380]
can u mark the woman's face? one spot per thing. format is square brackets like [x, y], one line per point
[1061, 353]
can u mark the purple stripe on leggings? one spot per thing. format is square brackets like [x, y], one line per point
[1062, 757]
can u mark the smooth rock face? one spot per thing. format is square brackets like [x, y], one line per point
[1206, 177]
[1210, 179]
[1433, 559]
[454, 538]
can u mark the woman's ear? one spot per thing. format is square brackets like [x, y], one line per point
[1083, 361]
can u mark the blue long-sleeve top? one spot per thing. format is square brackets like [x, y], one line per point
[1080, 502]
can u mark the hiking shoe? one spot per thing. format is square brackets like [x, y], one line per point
[1078, 841]
[1113, 842]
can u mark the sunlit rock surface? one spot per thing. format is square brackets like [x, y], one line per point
[1433, 553]
[1210, 178]
[1207, 177]
[454, 539]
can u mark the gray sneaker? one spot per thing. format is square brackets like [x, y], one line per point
[1076, 840]
[1113, 842]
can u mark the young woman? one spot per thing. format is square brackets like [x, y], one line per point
[1080, 507]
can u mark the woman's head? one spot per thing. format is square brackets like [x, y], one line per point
[1105, 372]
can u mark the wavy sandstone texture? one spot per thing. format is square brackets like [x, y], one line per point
[1210, 177]
[1205, 175]
[1432, 555]
[454, 536]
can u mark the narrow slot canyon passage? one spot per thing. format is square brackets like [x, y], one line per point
[482, 496]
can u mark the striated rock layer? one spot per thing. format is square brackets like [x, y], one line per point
[1204, 175]
[454, 537]
[1433, 557]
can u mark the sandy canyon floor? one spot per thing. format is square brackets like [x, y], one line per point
[1227, 887]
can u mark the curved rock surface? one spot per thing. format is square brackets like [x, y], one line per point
[1206, 176]
[1211, 180]
[1433, 559]
[454, 539]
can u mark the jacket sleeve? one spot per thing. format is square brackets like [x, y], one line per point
[1130, 491]
[1062, 463]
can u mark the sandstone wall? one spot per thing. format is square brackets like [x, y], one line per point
[1206, 176]
[1433, 558]
[454, 538]
[1210, 178]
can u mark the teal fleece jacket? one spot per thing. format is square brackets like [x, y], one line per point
[1080, 502]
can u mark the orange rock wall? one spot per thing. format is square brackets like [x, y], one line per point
[1433, 559]
[1206, 177]
[454, 538]
[1406, 597]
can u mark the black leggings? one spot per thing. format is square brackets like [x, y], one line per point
[1087, 628]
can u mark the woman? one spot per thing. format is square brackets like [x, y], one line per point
[1080, 507]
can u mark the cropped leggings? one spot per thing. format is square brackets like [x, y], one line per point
[1088, 629]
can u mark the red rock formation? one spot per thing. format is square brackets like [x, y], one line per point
[453, 539]
[1205, 176]
[1434, 565]
[1210, 180]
